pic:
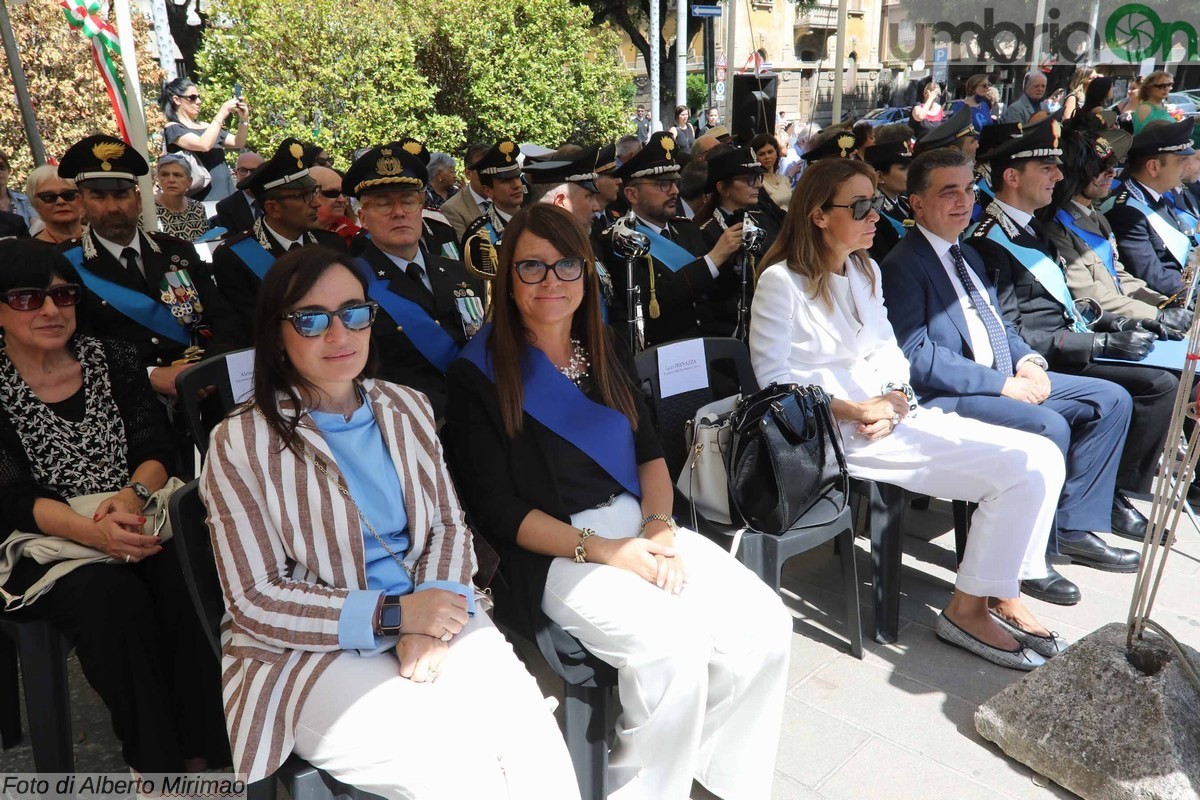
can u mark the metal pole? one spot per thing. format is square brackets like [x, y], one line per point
[681, 51]
[839, 60]
[709, 59]
[36, 148]
[731, 12]
[655, 34]
[1038, 35]
[137, 112]
[1093, 22]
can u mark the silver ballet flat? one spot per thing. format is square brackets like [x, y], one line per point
[1022, 658]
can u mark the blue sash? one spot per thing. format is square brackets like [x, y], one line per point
[1100, 244]
[145, 311]
[671, 255]
[1045, 271]
[901, 228]
[437, 346]
[254, 255]
[1175, 240]
[601, 433]
[212, 233]
[1188, 219]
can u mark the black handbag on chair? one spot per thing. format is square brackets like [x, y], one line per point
[785, 455]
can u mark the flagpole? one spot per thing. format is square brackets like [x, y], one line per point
[22, 90]
[136, 111]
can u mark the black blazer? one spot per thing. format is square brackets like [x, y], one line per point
[234, 213]
[398, 359]
[501, 480]
[719, 309]
[13, 225]
[1140, 249]
[1034, 312]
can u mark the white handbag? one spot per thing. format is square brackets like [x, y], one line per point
[704, 480]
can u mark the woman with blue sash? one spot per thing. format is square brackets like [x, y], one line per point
[560, 467]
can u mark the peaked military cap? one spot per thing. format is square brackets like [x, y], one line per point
[284, 170]
[500, 161]
[1018, 142]
[883, 156]
[955, 128]
[103, 162]
[731, 163]
[837, 142]
[580, 169]
[390, 167]
[606, 159]
[660, 156]
[1172, 138]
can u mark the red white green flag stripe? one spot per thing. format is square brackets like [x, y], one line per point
[106, 48]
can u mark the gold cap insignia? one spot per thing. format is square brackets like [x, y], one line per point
[297, 152]
[845, 143]
[506, 150]
[107, 151]
[413, 148]
[388, 164]
[668, 144]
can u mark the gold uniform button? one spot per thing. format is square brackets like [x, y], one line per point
[400, 328]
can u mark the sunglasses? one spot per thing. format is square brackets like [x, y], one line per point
[67, 195]
[64, 295]
[323, 161]
[191, 98]
[1164, 86]
[534, 272]
[357, 317]
[330, 194]
[859, 209]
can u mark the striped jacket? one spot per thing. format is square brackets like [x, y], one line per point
[288, 548]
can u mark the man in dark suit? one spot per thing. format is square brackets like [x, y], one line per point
[429, 305]
[966, 357]
[237, 212]
[681, 267]
[1153, 242]
[287, 196]
[149, 289]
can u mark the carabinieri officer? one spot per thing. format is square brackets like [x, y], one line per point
[149, 289]
[429, 306]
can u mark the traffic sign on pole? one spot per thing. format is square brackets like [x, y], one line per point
[706, 11]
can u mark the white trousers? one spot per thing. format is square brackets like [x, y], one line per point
[481, 730]
[1014, 476]
[701, 675]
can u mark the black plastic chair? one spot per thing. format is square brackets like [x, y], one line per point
[729, 371]
[204, 415]
[43, 651]
[302, 780]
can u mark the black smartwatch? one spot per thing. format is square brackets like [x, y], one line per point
[140, 489]
[387, 620]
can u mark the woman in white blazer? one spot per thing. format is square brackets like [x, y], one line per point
[818, 318]
[352, 634]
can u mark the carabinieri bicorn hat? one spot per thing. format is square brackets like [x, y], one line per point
[284, 170]
[103, 163]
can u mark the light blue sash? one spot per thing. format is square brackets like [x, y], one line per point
[254, 255]
[1176, 241]
[671, 255]
[1100, 244]
[1045, 271]
[145, 311]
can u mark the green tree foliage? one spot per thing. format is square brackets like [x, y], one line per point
[697, 92]
[444, 71]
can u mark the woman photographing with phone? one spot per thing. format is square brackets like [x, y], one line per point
[180, 102]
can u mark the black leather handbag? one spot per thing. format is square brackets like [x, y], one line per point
[785, 455]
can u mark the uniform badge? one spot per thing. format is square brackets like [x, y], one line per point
[470, 309]
[106, 152]
[180, 295]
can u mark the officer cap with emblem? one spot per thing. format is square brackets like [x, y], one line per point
[103, 163]
[834, 142]
[285, 170]
[1170, 139]
[729, 164]
[660, 156]
[956, 127]
[499, 162]
[390, 167]
[579, 168]
[417, 148]
[606, 159]
[1016, 142]
[883, 156]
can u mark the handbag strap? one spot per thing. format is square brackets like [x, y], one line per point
[835, 436]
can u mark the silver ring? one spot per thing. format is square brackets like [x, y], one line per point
[126, 559]
[447, 636]
[895, 420]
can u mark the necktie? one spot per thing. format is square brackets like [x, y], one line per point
[1035, 227]
[130, 257]
[666, 232]
[995, 331]
[413, 270]
[294, 246]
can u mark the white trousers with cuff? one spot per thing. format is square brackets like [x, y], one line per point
[1014, 476]
[701, 675]
[481, 730]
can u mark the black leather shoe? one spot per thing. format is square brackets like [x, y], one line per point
[1127, 521]
[1054, 588]
[1091, 551]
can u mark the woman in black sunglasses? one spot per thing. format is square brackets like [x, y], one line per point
[83, 444]
[339, 535]
[57, 203]
[180, 103]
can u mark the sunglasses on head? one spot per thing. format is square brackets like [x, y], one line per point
[357, 317]
[69, 195]
[859, 209]
[63, 295]
[533, 272]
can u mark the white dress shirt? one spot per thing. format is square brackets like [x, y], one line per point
[981, 345]
[284, 242]
[419, 260]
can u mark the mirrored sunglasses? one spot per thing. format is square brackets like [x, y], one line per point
[63, 295]
[309, 323]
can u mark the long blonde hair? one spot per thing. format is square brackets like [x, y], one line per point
[801, 244]
[1147, 84]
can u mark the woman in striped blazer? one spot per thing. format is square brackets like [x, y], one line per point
[351, 635]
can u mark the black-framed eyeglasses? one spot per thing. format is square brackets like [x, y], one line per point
[753, 181]
[191, 98]
[860, 208]
[309, 323]
[662, 184]
[68, 195]
[243, 170]
[534, 272]
[304, 195]
[330, 194]
[64, 295]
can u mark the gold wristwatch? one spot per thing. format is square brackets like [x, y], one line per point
[580, 550]
[666, 519]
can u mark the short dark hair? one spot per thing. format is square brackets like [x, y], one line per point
[1138, 163]
[475, 152]
[30, 264]
[761, 140]
[692, 180]
[922, 167]
[862, 132]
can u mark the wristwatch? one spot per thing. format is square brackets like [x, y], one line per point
[139, 489]
[388, 616]
[667, 519]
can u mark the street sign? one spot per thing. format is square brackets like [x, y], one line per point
[706, 11]
[720, 74]
[941, 63]
[721, 60]
[719, 88]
